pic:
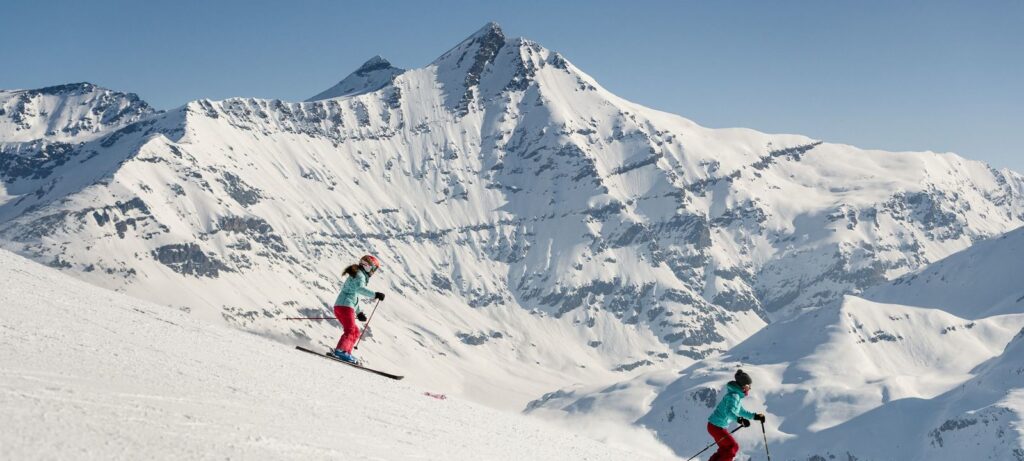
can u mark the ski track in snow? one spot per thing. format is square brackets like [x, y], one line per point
[91, 374]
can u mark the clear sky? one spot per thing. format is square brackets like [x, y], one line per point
[894, 75]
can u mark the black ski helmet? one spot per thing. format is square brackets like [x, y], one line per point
[743, 379]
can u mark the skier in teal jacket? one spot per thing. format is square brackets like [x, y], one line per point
[346, 307]
[730, 409]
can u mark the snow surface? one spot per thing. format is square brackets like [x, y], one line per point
[979, 282]
[864, 380]
[91, 374]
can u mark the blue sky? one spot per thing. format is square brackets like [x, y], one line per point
[894, 75]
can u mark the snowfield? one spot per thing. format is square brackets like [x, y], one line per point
[91, 374]
[937, 378]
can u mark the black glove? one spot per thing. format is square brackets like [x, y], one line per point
[378, 296]
[743, 421]
[759, 417]
[361, 317]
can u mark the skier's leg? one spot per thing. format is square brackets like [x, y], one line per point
[340, 312]
[716, 433]
[727, 446]
[347, 316]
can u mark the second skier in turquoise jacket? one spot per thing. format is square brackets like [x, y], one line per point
[729, 410]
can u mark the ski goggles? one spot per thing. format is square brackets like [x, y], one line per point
[369, 268]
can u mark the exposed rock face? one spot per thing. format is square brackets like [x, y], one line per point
[34, 160]
[189, 259]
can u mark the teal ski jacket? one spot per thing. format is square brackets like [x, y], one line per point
[730, 407]
[353, 289]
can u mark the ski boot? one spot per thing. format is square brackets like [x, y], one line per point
[344, 356]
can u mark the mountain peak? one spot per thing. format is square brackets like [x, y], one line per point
[373, 75]
[461, 67]
[487, 40]
[491, 29]
[373, 64]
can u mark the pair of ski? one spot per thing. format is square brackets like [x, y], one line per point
[327, 355]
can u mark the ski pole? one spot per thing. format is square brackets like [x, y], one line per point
[715, 443]
[366, 325]
[763, 434]
[310, 318]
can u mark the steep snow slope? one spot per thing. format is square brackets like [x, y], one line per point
[529, 219]
[979, 282]
[817, 372]
[90, 374]
[981, 419]
[865, 379]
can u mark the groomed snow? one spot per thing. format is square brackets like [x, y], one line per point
[92, 374]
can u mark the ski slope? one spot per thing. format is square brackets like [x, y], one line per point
[975, 283]
[922, 371]
[92, 374]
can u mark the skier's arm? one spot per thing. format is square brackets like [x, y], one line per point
[366, 292]
[736, 407]
[361, 289]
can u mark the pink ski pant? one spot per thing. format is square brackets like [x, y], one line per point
[350, 329]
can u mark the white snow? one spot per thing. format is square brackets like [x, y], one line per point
[90, 374]
[865, 380]
[976, 283]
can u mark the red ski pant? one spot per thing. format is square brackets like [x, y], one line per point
[350, 329]
[727, 446]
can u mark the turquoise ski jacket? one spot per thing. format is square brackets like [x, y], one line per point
[353, 289]
[730, 407]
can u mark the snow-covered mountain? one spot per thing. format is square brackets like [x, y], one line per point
[938, 378]
[980, 282]
[69, 113]
[373, 75]
[528, 219]
[40, 130]
[128, 379]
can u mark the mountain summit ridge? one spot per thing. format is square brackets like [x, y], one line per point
[73, 112]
